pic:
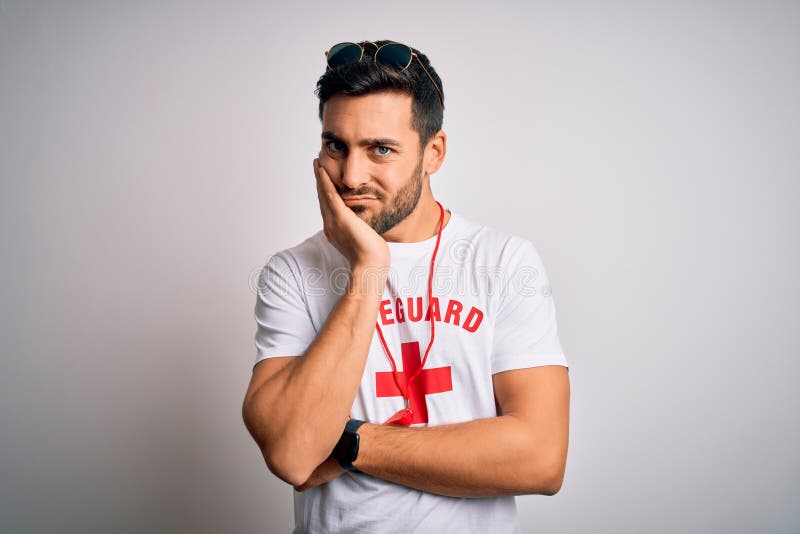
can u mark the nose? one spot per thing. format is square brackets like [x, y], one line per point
[355, 171]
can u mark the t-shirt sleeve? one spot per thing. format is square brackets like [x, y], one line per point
[284, 325]
[526, 333]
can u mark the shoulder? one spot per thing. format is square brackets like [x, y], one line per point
[313, 252]
[493, 246]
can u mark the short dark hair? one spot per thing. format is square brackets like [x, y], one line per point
[365, 77]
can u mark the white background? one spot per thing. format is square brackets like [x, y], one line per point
[154, 155]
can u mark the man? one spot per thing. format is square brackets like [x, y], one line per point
[409, 375]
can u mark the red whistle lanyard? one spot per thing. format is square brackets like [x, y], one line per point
[406, 415]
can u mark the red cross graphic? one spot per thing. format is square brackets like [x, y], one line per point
[436, 380]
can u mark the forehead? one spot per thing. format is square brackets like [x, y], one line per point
[367, 116]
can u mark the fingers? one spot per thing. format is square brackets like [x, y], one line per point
[335, 202]
[324, 186]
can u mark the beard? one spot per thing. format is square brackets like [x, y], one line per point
[404, 203]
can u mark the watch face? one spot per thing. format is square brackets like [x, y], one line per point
[347, 448]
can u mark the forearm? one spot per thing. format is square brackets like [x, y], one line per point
[301, 411]
[494, 456]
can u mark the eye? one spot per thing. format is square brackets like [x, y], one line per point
[383, 150]
[334, 146]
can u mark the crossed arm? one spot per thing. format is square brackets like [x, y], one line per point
[523, 450]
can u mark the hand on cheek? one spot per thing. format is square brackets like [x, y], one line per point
[345, 230]
[326, 163]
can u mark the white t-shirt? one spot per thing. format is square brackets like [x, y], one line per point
[494, 312]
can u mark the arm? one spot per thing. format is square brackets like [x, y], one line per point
[313, 408]
[522, 450]
[293, 409]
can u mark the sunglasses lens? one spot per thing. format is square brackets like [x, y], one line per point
[343, 53]
[394, 55]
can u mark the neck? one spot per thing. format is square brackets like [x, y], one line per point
[421, 224]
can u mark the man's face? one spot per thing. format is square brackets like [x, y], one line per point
[370, 150]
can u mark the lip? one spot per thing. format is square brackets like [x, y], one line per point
[356, 200]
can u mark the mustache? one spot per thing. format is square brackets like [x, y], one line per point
[348, 192]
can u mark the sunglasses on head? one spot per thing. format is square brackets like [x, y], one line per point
[395, 55]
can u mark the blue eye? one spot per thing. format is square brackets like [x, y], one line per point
[386, 148]
[330, 146]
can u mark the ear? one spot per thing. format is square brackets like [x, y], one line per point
[435, 152]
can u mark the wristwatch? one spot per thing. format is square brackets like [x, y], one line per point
[346, 450]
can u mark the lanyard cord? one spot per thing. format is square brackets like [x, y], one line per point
[430, 299]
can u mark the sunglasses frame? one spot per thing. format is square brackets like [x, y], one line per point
[375, 60]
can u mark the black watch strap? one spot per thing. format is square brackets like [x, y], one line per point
[346, 450]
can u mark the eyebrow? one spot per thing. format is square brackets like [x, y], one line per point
[373, 141]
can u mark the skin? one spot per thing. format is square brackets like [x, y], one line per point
[464, 459]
